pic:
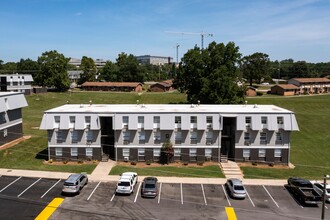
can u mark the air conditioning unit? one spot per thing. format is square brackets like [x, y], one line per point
[126, 142]
[126, 159]
[88, 142]
[208, 158]
[88, 126]
[208, 142]
[247, 143]
[248, 126]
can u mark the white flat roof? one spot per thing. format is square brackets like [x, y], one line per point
[164, 108]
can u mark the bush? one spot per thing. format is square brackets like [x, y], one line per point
[185, 163]
[65, 161]
[133, 162]
[200, 163]
[148, 162]
[50, 161]
[271, 164]
[259, 93]
[80, 161]
[254, 163]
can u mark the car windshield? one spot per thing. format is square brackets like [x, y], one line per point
[150, 186]
[238, 187]
[68, 184]
[328, 191]
[123, 184]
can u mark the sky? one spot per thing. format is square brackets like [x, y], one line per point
[102, 29]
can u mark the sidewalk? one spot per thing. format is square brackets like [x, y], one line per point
[101, 173]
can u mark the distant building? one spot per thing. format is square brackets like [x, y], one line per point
[154, 60]
[284, 89]
[251, 91]
[113, 86]
[311, 85]
[162, 86]
[11, 104]
[198, 132]
[16, 83]
[99, 63]
[74, 75]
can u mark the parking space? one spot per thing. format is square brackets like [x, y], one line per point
[98, 199]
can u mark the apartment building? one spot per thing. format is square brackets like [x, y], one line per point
[154, 60]
[16, 83]
[311, 85]
[197, 132]
[11, 104]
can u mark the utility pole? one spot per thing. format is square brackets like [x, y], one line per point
[177, 53]
[202, 34]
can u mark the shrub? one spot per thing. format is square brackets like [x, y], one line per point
[254, 163]
[259, 93]
[185, 163]
[50, 161]
[148, 162]
[65, 161]
[80, 161]
[133, 162]
[200, 163]
[271, 164]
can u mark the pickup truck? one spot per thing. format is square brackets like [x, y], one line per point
[304, 191]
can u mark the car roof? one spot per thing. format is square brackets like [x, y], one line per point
[73, 177]
[150, 179]
[236, 181]
[128, 174]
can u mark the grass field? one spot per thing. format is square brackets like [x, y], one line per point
[310, 147]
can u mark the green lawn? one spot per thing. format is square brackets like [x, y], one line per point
[310, 147]
[212, 171]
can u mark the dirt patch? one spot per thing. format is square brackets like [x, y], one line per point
[264, 165]
[72, 163]
[175, 164]
[14, 142]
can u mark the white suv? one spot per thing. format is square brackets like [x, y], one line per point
[126, 183]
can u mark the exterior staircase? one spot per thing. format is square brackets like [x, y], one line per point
[231, 170]
[105, 157]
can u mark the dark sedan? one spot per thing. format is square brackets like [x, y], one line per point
[149, 187]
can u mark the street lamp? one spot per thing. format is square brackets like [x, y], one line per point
[324, 194]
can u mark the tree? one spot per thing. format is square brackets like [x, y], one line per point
[109, 72]
[129, 69]
[255, 67]
[211, 75]
[9, 67]
[167, 152]
[53, 70]
[28, 66]
[89, 70]
[1, 62]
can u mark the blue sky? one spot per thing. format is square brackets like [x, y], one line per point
[297, 29]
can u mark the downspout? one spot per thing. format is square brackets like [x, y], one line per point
[115, 141]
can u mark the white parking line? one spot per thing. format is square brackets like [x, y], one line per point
[160, 192]
[223, 188]
[249, 197]
[29, 187]
[10, 184]
[93, 191]
[203, 194]
[271, 196]
[181, 194]
[137, 193]
[50, 188]
[113, 196]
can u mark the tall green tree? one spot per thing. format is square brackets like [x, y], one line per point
[109, 72]
[89, 70]
[211, 75]
[129, 68]
[1, 62]
[53, 70]
[255, 67]
[28, 66]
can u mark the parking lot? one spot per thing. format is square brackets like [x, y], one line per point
[25, 198]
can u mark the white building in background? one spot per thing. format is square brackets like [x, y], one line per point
[154, 60]
[197, 132]
[77, 62]
[16, 83]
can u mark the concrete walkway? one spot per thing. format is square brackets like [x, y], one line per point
[231, 170]
[101, 173]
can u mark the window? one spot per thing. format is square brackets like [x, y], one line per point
[5, 133]
[74, 136]
[247, 120]
[193, 137]
[192, 152]
[72, 121]
[125, 120]
[74, 151]
[278, 153]
[87, 120]
[177, 152]
[141, 152]
[156, 135]
[140, 119]
[58, 152]
[280, 120]
[178, 136]
[246, 136]
[246, 153]
[156, 152]
[142, 136]
[58, 136]
[263, 137]
[278, 136]
[89, 136]
[3, 117]
[263, 120]
[126, 136]
[193, 119]
[177, 119]
[262, 153]
[209, 119]
[89, 151]
[156, 119]
[57, 121]
[208, 152]
[125, 152]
